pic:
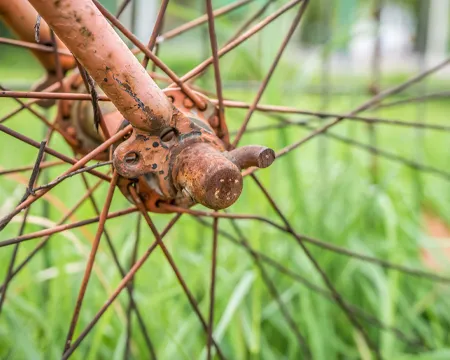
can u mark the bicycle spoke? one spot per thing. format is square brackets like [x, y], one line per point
[227, 48]
[365, 106]
[320, 115]
[122, 7]
[55, 153]
[200, 20]
[336, 295]
[131, 286]
[41, 117]
[43, 165]
[261, 257]
[46, 238]
[32, 46]
[49, 95]
[90, 263]
[122, 272]
[156, 30]
[217, 77]
[77, 166]
[371, 149]
[274, 292]
[119, 288]
[249, 21]
[313, 241]
[60, 228]
[417, 99]
[171, 262]
[196, 99]
[368, 104]
[71, 174]
[212, 288]
[12, 261]
[270, 72]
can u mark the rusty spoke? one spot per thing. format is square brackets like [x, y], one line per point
[368, 104]
[170, 260]
[200, 20]
[49, 89]
[261, 257]
[91, 259]
[274, 293]
[336, 295]
[217, 77]
[387, 155]
[122, 7]
[43, 165]
[133, 259]
[156, 30]
[365, 106]
[64, 227]
[250, 20]
[33, 177]
[71, 174]
[233, 44]
[123, 283]
[47, 237]
[54, 153]
[78, 165]
[9, 273]
[270, 72]
[122, 272]
[212, 288]
[417, 99]
[32, 46]
[41, 117]
[49, 95]
[195, 98]
[316, 242]
[365, 147]
[320, 115]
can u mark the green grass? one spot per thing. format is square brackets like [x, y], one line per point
[326, 191]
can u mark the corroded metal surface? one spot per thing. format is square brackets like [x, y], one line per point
[177, 151]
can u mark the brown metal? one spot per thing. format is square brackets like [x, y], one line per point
[176, 152]
[23, 26]
[186, 163]
[105, 56]
[252, 155]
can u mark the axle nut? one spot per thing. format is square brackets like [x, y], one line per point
[208, 176]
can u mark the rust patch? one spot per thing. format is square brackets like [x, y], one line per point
[86, 32]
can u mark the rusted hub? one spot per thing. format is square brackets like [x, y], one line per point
[183, 163]
[186, 162]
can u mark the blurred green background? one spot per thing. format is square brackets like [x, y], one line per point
[329, 190]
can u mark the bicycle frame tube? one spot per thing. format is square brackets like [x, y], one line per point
[88, 35]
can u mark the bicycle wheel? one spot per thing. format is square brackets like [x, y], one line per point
[332, 252]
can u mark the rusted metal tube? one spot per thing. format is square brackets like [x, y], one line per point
[21, 17]
[252, 155]
[206, 175]
[88, 35]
